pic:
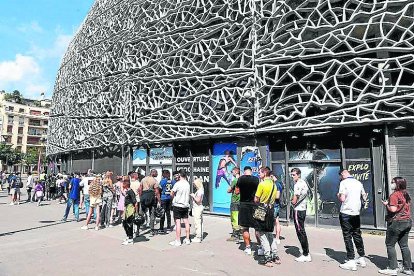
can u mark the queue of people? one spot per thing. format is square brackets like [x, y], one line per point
[135, 201]
[255, 203]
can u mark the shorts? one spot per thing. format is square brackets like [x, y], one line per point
[246, 210]
[180, 212]
[277, 211]
[12, 191]
[95, 201]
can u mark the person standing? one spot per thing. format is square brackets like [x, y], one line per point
[266, 195]
[247, 185]
[278, 228]
[131, 208]
[299, 203]
[198, 209]
[399, 224]
[166, 186]
[150, 197]
[29, 186]
[95, 193]
[107, 198]
[74, 198]
[86, 181]
[180, 194]
[234, 206]
[39, 192]
[350, 193]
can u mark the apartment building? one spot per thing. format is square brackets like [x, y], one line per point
[24, 125]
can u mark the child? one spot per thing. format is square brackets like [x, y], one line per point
[131, 208]
[38, 192]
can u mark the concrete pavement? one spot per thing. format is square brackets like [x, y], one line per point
[35, 242]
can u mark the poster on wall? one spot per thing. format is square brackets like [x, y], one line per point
[139, 157]
[161, 155]
[252, 156]
[361, 170]
[224, 159]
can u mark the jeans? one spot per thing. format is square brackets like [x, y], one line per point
[166, 204]
[198, 220]
[151, 210]
[106, 210]
[299, 219]
[351, 230]
[75, 203]
[269, 245]
[87, 202]
[397, 231]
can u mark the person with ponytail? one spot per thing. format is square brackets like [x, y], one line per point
[398, 227]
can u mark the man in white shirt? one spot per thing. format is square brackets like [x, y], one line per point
[350, 193]
[29, 186]
[180, 194]
[299, 203]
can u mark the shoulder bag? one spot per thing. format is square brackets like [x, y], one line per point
[261, 209]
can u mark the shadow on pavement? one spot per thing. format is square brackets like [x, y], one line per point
[292, 250]
[338, 256]
[379, 261]
[29, 229]
[140, 238]
[47, 221]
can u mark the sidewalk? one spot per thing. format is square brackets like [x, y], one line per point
[34, 241]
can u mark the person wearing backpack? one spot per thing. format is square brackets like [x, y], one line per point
[399, 224]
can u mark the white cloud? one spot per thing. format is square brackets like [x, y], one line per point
[30, 27]
[18, 69]
[24, 74]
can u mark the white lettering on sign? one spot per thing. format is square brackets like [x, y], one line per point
[183, 159]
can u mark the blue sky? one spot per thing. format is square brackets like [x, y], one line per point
[34, 35]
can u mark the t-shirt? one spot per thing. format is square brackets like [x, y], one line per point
[85, 184]
[199, 193]
[248, 186]
[235, 198]
[352, 189]
[181, 191]
[300, 189]
[75, 188]
[29, 183]
[130, 198]
[264, 190]
[149, 183]
[135, 186]
[166, 186]
[397, 199]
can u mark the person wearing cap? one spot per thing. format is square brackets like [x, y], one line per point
[247, 185]
[349, 194]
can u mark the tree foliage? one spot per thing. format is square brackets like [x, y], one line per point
[15, 96]
[9, 155]
[31, 157]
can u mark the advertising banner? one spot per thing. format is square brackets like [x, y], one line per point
[139, 157]
[161, 155]
[224, 160]
[251, 156]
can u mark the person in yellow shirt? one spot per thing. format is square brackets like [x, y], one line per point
[266, 194]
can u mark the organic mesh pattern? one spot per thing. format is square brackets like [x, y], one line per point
[157, 71]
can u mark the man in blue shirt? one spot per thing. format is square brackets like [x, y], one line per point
[166, 186]
[73, 198]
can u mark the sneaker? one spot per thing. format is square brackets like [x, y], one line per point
[110, 226]
[96, 228]
[232, 239]
[388, 271]
[248, 251]
[152, 234]
[161, 232]
[63, 220]
[128, 241]
[186, 241]
[260, 251]
[276, 260]
[277, 241]
[175, 243]
[405, 271]
[11, 203]
[197, 240]
[349, 265]
[361, 262]
[304, 259]
[85, 227]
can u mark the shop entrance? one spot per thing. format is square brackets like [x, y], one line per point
[323, 180]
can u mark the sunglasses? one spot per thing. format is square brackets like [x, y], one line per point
[293, 174]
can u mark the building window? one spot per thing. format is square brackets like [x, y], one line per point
[20, 130]
[21, 110]
[34, 122]
[19, 140]
[9, 129]
[10, 120]
[35, 112]
[21, 121]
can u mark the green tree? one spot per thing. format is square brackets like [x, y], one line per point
[15, 96]
[9, 155]
[31, 157]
